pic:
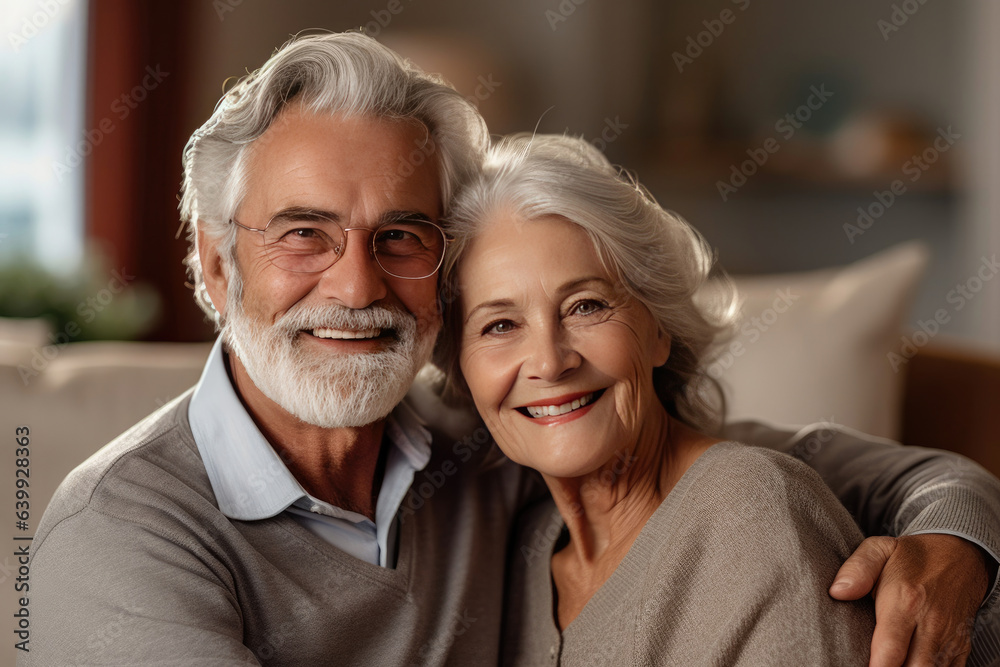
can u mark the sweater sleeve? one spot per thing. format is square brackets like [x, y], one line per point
[110, 592]
[766, 540]
[894, 490]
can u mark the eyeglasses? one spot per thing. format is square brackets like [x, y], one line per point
[309, 242]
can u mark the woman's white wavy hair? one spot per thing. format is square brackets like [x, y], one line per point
[657, 257]
[346, 73]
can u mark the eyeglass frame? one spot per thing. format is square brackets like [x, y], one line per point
[444, 235]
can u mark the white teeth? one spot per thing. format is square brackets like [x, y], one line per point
[553, 410]
[344, 334]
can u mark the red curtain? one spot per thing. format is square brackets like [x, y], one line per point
[137, 65]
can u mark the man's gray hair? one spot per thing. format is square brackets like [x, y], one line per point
[347, 73]
[657, 258]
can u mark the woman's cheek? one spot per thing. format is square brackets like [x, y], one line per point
[511, 443]
[487, 375]
[471, 362]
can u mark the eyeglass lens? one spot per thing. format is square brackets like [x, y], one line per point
[406, 248]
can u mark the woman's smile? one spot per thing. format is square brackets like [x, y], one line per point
[550, 341]
[561, 405]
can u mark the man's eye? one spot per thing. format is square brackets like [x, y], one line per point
[290, 233]
[499, 327]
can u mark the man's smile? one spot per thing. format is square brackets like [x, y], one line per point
[346, 334]
[355, 340]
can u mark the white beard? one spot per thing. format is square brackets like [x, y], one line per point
[329, 390]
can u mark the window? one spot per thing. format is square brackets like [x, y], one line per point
[43, 143]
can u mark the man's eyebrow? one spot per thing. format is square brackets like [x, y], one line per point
[304, 213]
[395, 216]
[293, 213]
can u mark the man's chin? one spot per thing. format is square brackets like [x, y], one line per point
[332, 382]
[338, 390]
[352, 408]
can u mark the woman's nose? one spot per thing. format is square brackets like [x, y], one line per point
[550, 356]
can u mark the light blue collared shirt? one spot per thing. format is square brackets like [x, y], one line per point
[251, 482]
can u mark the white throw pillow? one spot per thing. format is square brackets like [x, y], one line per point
[813, 346]
[21, 331]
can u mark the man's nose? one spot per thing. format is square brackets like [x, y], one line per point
[551, 355]
[355, 279]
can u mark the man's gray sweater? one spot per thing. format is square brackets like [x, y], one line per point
[134, 564]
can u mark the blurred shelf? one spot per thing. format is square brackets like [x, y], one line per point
[793, 168]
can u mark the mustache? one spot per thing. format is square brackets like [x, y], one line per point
[341, 317]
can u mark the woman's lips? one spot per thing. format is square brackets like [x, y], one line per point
[561, 405]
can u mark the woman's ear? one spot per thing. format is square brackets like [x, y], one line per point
[213, 269]
[661, 348]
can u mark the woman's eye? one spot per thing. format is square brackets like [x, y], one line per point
[587, 307]
[499, 327]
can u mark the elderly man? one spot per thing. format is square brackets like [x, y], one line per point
[268, 516]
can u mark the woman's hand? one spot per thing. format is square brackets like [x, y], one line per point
[927, 589]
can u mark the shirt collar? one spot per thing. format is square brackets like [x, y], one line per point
[249, 479]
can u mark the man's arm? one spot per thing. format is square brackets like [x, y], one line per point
[110, 592]
[921, 582]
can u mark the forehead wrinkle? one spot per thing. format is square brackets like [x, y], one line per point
[294, 168]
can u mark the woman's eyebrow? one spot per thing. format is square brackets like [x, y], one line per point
[574, 285]
[496, 304]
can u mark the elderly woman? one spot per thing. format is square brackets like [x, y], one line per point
[581, 331]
